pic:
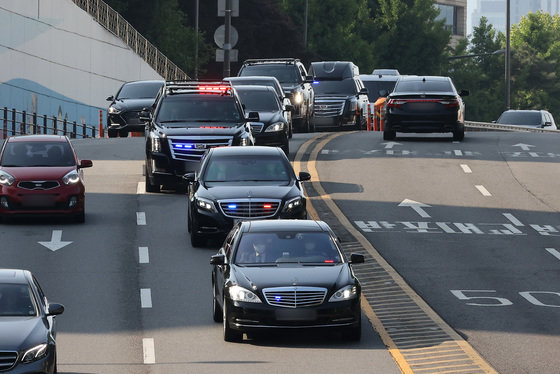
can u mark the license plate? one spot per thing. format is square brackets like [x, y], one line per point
[297, 314]
[38, 201]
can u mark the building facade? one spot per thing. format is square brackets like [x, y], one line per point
[454, 13]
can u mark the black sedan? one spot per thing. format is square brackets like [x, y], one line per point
[27, 325]
[284, 274]
[242, 183]
[423, 105]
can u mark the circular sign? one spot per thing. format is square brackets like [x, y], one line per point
[220, 36]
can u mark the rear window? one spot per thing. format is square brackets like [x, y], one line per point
[520, 118]
[16, 300]
[284, 73]
[20, 154]
[375, 86]
[423, 86]
[259, 101]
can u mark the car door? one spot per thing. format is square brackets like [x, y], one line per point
[221, 271]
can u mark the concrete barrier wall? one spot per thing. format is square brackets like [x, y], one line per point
[56, 60]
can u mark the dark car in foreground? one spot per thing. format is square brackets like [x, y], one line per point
[41, 175]
[242, 183]
[425, 104]
[123, 115]
[27, 325]
[285, 274]
[273, 128]
[540, 119]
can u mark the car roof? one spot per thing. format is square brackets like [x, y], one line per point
[423, 77]
[285, 225]
[255, 87]
[16, 276]
[376, 77]
[257, 150]
[524, 111]
[145, 82]
[37, 138]
[251, 78]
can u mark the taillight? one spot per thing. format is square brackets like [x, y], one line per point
[453, 103]
[395, 103]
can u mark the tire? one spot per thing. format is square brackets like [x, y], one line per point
[112, 133]
[389, 135]
[354, 333]
[197, 240]
[80, 217]
[286, 148]
[290, 131]
[217, 314]
[459, 135]
[230, 335]
[123, 133]
[151, 187]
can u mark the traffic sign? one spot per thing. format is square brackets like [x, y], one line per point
[232, 55]
[220, 36]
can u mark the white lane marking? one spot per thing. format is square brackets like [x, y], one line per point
[390, 152]
[56, 241]
[389, 145]
[466, 168]
[533, 154]
[483, 190]
[149, 351]
[513, 220]
[458, 152]
[553, 252]
[141, 188]
[524, 147]
[140, 218]
[416, 206]
[146, 297]
[143, 255]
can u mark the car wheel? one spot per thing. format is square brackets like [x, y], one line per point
[151, 187]
[112, 133]
[123, 134]
[80, 217]
[216, 310]
[354, 333]
[286, 148]
[458, 135]
[389, 135]
[230, 335]
[197, 240]
[290, 131]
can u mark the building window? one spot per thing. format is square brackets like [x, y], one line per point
[448, 13]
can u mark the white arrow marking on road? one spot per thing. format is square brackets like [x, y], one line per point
[56, 241]
[553, 252]
[390, 145]
[524, 147]
[417, 207]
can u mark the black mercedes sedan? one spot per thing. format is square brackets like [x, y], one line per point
[27, 325]
[284, 274]
[242, 183]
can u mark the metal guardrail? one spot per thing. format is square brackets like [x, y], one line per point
[116, 24]
[16, 122]
[487, 126]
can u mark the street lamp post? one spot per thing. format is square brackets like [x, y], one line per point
[508, 56]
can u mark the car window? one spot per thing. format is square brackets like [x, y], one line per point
[423, 86]
[520, 118]
[287, 247]
[42, 298]
[284, 73]
[139, 91]
[246, 168]
[20, 154]
[16, 300]
[192, 108]
[259, 101]
[326, 87]
[375, 86]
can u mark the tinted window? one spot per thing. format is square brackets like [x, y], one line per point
[375, 86]
[284, 73]
[246, 168]
[16, 300]
[344, 87]
[139, 90]
[209, 108]
[258, 82]
[298, 247]
[423, 86]
[260, 101]
[38, 154]
[520, 118]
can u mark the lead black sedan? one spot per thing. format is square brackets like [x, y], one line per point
[284, 274]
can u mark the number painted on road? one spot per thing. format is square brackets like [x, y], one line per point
[499, 301]
[530, 296]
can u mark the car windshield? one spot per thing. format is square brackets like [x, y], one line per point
[259, 101]
[343, 87]
[247, 168]
[520, 118]
[20, 154]
[198, 108]
[375, 86]
[284, 73]
[423, 86]
[16, 300]
[146, 90]
[287, 247]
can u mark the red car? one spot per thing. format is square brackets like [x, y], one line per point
[40, 174]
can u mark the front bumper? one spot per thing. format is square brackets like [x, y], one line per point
[129, 121]
[334, 121]
[61, 200]
[45, 365]
[415, 123]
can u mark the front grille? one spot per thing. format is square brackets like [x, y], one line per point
[7, 359]
[249, 208]
[295, 297]
[132, 118]
[328, 107]
[192, 148]
[256, 127]
[38, 185]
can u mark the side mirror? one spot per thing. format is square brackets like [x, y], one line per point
[55, 309]
[304, 176]
[308, 79]
[289, 107]
[218, 260]
[190, 177]
[357, 258]
[110, 98]
[364, 91]
[85, 164]
[253, 116]
[145, 115]
[464, 93]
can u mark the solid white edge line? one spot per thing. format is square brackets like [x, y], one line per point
[140, 218]
[141, 188]
[143, 255]
[466, 168]
[483, 190]
[513, 220]
[146, 297]
[553, 252]
[148, 348]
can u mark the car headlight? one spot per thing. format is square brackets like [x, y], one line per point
[298, 97]
[244, 142]
[237, 293]
[204, 204]
[345, 293]
[71, 177]
[275, 127]
[113, 110]
[35, 353]
[155, 143]
[292, 204]
[6, 179]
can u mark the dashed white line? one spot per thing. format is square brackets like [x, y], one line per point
[483, 190]
[143, 255]
[466, 169]
[513, 220]
[140, 218]
[141, 188]
[146, 297]
[149, 351]
[553, 252]
[458, 152]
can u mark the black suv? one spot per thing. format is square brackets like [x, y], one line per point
[187, 119]
[293, 77]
